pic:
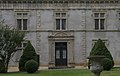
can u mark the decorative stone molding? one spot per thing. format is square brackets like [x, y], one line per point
[84, 19]
[61, 33]
[83, 47]
[61, 37]
[84, 36]
[59, 1]
[78, 4]
[38, 40]
[38, 20]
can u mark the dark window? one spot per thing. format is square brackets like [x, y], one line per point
[19, 23]
[96, 23]
[102, 24]
[61, 21]
[102, 14]
[24, 24]
[22, 21]
[99, 21]
[63, 24]
[58, 24]
[96, 14]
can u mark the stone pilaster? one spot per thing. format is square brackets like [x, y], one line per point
[38, 20]
[38, 40]
[84, 36]
[51, 54]
[70, 50]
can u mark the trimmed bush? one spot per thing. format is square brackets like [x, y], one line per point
[100, 49]
[28, 54]
[107, 64]
[31, 66]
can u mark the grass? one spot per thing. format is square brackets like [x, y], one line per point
[66, 72]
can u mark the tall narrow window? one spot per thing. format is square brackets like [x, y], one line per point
[99, 19]
[57, 24]
[24, 24]
[19, 22]
[63, 24]
[60, 21]
[22, 21]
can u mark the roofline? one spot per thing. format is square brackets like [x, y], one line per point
[59, 1]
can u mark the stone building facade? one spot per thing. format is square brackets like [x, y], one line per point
[63, 32]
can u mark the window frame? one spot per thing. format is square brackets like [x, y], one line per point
[23, 16]
[61, 18]
[99, 18]
[21, 47]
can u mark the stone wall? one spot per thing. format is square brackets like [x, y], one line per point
[80, 22]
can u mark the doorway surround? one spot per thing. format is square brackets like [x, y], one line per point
[67, 37]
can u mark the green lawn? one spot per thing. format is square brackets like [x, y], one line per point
[69, 72]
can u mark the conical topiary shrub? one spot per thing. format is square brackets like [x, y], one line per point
[100, 49]
[28, 54]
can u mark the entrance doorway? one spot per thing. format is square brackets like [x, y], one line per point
[60, 53]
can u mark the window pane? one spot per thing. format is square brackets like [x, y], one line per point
[24, 45]
[57, 54]
[64, 54]
[102, 14]
[19, 14]
[96, 23]
[24, 24]
[57, 24]
[102, 24]
[24, 14]
[19, 24]
[57, 14]
[63, 14]
[96, 14]
[63, 24]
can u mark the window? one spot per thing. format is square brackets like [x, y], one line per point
[99, 19]
[60, 21]
[22, 45]
[22, 21]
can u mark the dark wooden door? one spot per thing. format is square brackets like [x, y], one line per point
[61, 54]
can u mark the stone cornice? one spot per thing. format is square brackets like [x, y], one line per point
[59, 4]
[60, 1]
[53, 6]
[73, 31]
